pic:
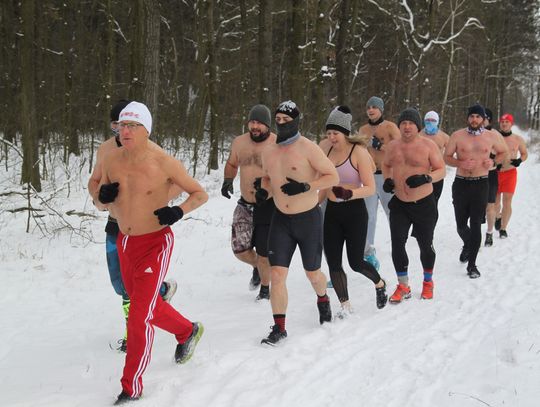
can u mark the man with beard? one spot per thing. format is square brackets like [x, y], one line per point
[295, 169]
[508, 172]
[379, 133]
[469, 151]
[250, 222]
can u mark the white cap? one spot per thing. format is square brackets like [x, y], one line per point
[137, 112]
[432, 115]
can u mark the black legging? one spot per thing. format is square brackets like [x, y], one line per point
[422, 215]
[346, 222]
[470, 198]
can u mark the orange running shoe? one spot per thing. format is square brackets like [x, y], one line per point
[402, 292]
[427, 290]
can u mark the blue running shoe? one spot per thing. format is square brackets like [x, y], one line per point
[372, 259]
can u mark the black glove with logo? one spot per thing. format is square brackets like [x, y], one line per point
[169, 215]
[388, 186]
[342, 193]
[516, 162]
[108, 192]
[227, 188]
[414, 181]
[376, 143]
[294, 187]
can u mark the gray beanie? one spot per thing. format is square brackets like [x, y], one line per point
[261, 113]
[410, 114]
[376, 102]
[340, 119]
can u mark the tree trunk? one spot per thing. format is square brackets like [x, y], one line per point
[264, 52]
[151, 58]
[30, 165]
[341, 53]
[213, 163]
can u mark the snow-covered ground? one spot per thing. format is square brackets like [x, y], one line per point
[476, 344]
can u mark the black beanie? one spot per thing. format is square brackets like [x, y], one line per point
[340, 119]
[411, 114]
[477, 109]
[117, 108]
[289, 108]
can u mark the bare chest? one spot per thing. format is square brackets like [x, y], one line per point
[477, 146]
[411, 155]
[250, 157]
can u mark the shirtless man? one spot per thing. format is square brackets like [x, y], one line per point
[411, 164]
[379, 133]
[433, 132]
[251, 222]
[134, 188]
[469, 151]
[508, 172]
[493, 181]
[168, 288]
[295, 169]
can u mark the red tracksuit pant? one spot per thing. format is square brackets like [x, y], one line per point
[144, 261]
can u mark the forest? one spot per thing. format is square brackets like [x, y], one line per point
[200, 65]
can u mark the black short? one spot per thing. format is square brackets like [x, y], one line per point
[493, 179]
[303, 229]
[437, 189]
[262, 214]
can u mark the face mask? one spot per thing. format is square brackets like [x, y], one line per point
[431, 127]
[287, 133]
[260, 137]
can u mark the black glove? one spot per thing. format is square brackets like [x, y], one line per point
[498, 167]
[227, 188]
[388, 186]
[257, 184]
[168, 215]
[414, 181]
[342, 193]
[294, 187]
[376, 143]
[515, 162]
[261, 195]
[108, 192]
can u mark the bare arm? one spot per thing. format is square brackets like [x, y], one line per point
[231, 166]
[449, 152]
[501, 149]
[319, 162]
[438, 167]
[178, 174]
[523, 153]
[95, 178]
[365, 165]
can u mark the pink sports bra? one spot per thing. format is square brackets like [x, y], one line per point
[346, 171]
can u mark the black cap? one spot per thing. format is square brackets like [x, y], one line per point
[412, 115]
[117, 108]
[477, 109]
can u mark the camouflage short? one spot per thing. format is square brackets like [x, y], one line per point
[242, 227]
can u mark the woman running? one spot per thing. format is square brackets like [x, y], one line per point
[346, 217]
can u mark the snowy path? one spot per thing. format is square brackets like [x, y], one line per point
[477, 343]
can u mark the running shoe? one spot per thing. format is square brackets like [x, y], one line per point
[427, 290]
[255, 280]
[184, 351]
[403, 292]
[489, 240]
[382, 297]
[464, 256]
[124, 398]
[122, 345]
[274, 336]
[503, 234]
[345, 311]
[472, 272]
[497, 223]
[372, 259]
[325, 313]
[264, 293]
[170, 289]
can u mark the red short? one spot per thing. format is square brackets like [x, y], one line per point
[507, 181]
